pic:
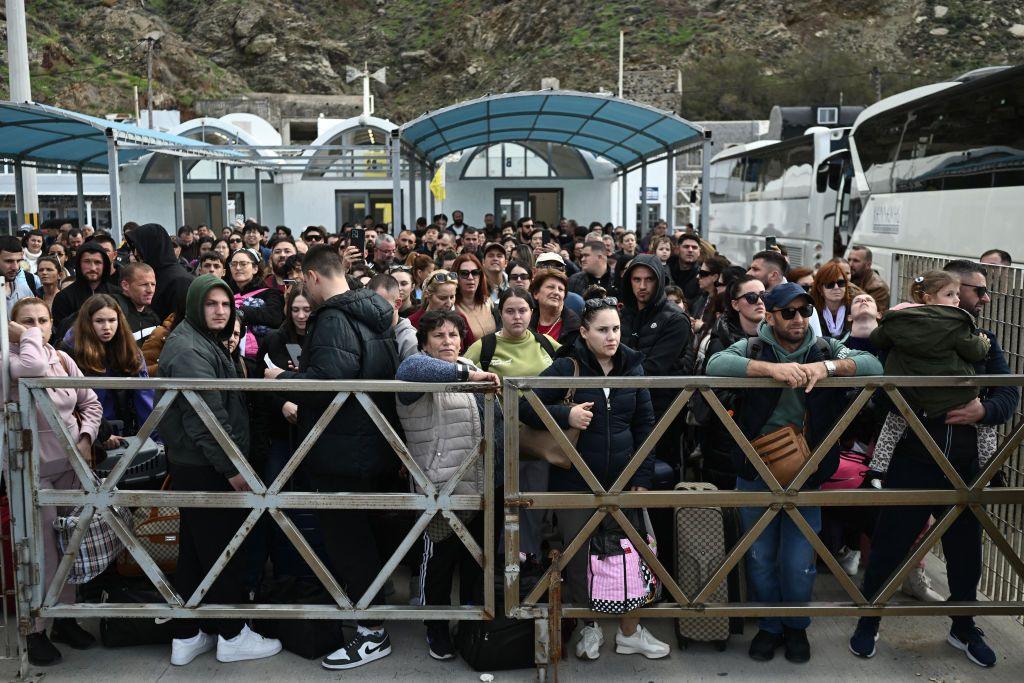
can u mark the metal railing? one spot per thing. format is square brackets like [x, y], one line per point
[27, 500]
[963, 498]
[1004, 317]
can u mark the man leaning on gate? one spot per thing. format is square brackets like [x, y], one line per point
[781, 562]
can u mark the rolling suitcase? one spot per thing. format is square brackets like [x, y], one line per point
[703, 538]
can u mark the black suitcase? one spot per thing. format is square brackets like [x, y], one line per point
[501, 644]
[148, 468]
[309, 638]
[128, 632]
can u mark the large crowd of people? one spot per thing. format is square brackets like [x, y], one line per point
[449, 302]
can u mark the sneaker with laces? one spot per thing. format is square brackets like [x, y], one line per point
[862, 642]
[972, 641]
[918, 585]
[590, 642]
[849, 560]
[184, 650]
[365, 647]
[439, 642]
[246, 645]
[640, 643]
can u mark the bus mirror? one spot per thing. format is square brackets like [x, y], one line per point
[830, 173]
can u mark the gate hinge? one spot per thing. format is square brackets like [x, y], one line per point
[519, 502]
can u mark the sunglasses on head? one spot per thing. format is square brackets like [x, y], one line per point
[552, 265]
[443, 276]
[805, 311]
[981, 291]
[400, 269]
[838, 283]
[466, 274]
[604, 302]
[751, 297]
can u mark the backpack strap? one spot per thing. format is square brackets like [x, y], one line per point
[487, 347]
[544, 343]
[34, 284]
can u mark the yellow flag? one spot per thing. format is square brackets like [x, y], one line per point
[437, 184]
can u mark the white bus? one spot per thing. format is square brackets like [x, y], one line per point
[937, 171]
[769, 189]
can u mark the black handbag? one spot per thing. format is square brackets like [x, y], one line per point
[501, 644]
[128, 632]
[309, 638]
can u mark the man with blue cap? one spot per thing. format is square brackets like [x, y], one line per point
[781, 562]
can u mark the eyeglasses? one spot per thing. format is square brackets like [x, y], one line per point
[467, 274]
[981, 291]
[751, 297]
[235, 240]
[519, 276]
[605, 302]
[805, 311]
[443, 276]
[704, 273]
[838, 283]
[242, 264]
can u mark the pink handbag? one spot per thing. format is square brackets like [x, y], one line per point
[849, 474]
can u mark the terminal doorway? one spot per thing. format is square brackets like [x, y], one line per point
[352, 206]
[541, 205]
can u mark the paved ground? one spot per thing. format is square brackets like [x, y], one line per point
[911, 649]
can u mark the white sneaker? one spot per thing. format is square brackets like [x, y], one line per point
[640, 643]
[184, 650]
[918, 585]
[246, 645]
[590, 642]
[849, 560]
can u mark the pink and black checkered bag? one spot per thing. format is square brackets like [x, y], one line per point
[618, 577]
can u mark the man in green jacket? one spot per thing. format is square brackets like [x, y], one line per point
[195, 350]
[781, 562]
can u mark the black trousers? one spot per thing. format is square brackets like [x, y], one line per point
[350, 539]
[204, 533]
[441, 561]
[899, 527]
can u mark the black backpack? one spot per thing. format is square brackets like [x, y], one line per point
[489, 343]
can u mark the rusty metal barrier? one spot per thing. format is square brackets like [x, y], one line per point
[963, 497]
[27, 500]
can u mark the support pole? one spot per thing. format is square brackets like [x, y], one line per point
[114, 174]
[259, 195]
[705, 180]
[19, 195]
[80, 196]
[412, 194]
[396, 182]
[670, 191]
[179, 193]
[224, 216]
[433, 200]
[625, 199]
[424, 170]
[642, 229]
[20, 89]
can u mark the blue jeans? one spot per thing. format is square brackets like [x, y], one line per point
[781, 562]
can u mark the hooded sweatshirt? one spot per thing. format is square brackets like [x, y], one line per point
[172, 279]
[927, 341]
[660, 331]
[71, 298]
[193, 351]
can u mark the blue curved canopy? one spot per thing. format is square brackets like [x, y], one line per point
[51, 135]
[621, 131]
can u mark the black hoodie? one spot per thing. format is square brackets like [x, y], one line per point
[71, 298]
[172, 279]
[660, 331]
[349, 336]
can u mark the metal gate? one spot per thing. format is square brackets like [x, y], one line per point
[963, 498]
[27, 499]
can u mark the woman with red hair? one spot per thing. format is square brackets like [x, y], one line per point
[832, 298]
[471, 296]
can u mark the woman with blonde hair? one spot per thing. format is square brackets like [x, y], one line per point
[439, 293]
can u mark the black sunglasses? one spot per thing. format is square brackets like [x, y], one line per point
[314, 238]
[838, 283]
[751, 297]
[466, 274]
[519, 276]
[604, 302]
[981, 291]
[704, 273]
[805, 311]
[235, 240]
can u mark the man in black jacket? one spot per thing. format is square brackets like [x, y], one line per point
[138, 284]
[661, 332]
[594, 270]
[92, 276]
[349, 336]
[152, 245]
[684, 267]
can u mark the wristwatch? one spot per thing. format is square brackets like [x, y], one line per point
[830, 368]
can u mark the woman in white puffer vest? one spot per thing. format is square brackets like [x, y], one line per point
[442, 430]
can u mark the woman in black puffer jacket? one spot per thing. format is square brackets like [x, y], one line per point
[613, 424]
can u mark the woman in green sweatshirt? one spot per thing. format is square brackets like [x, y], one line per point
[517, 351]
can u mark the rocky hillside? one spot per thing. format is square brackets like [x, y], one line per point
[737, 57]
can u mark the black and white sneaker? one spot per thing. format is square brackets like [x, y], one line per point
[439, 642]
[365, 647]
